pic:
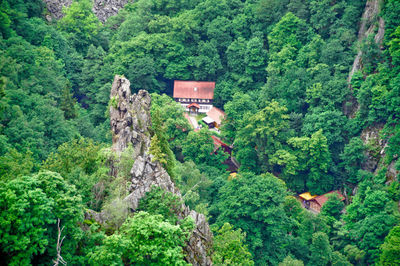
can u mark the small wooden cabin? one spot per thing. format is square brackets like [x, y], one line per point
[209, 122]
[315, 202]
[217, 115]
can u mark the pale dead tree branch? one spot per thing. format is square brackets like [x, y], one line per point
[59, 259]
[191, 189]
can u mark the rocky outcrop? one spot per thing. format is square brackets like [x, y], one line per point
[55, 7]
[368, 26]
[375, 147]
[369, 23]
[103, 9]
[131, 124]
[376, 152]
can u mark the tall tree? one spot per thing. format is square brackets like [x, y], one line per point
[80, 24]
[145, 239]
[229, 248]
[391, 248]
[255, 204]
[265, 133]
[321, 251]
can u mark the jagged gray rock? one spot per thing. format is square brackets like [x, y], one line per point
[131, 124]
[103, 9]
[374, 161]
[367, 26]
[371, 139]
[55, 7]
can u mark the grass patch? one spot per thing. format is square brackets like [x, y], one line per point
[199, 117]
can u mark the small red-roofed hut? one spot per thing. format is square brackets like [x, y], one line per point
[315, 203]
[217, 115]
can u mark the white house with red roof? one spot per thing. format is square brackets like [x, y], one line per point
[195, 96]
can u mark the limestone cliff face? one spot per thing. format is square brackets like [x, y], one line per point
[55, 7]
[130, 124]
[370, 23]
[368, 26]
[376, 147]
[103, 9]
[376, 152]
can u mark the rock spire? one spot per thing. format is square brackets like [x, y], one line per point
[130, 124]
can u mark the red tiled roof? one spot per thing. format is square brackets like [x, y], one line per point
[194, 89]
[216, 114]
[323, 198]
[194, 105]
[219, 143]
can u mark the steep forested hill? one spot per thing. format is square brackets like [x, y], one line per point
[311, 92]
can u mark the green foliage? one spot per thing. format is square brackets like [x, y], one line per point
[333, 124]
[354, 255]
[30, 208]
[18, 207]
[193, 184]
[393, 145]
[144, 239]
[394, 191]
[155, 150]
[394, 46]
[391, 248]
[353, 156]
[290, 261]
[54, 88]
[319, 163]
[82, 153]
[161, 202]
[199, 147]
[306, 166]
[124, 163]
[235, 110]
[114, 102]
[229, 248]
[175, 124]
[14, 164]
[67, 104]
[79, 163]
[333, 207]
[80, 24]
[321, 251]
[32, 119]
[255, 204]
[371, 54]
[117, 211]
[338, 259]
[290, 31]
[159, 145]
[370, 217]
[265, 133]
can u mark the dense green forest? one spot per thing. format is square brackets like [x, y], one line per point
[281, 69]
